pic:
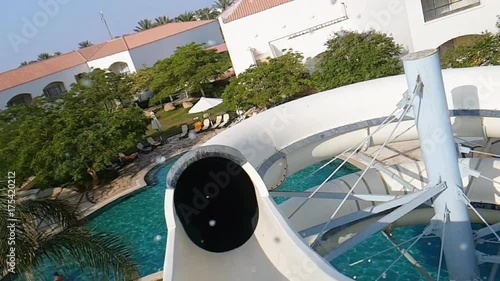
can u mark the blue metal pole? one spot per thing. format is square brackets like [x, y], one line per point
[441, 161]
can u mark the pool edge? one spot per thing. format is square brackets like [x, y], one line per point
[140, 183]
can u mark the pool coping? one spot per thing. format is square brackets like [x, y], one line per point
[153, 277]
[140, 182]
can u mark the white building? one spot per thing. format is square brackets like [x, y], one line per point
[126, 54]
[257, 29]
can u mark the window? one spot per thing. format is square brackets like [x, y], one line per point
[54, 90]
[22, 99]
[434, 9]
[120, 68]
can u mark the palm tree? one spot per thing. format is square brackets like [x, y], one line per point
[44, 56]
[163, 20]
[186, 16]
[143, 25]
[93, 252]
[222, 5]
[85, 44]
[206, 14]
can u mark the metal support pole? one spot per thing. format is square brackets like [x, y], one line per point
[440, 157]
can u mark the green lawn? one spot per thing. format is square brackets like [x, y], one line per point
[172, 121]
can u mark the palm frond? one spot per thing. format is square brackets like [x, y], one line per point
[51, 211]
[95, 252]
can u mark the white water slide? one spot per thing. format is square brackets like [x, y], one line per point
[224, 225]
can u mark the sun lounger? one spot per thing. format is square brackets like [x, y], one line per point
[153, 142]
[127, 158]
[185, 131]
[218, 120]
[225, 120]
[197, 127]
[143, 149]
[115, 165]
[206, 124]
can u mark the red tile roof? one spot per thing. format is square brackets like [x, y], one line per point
[53, 65]
[109, 48]
[88, 52]
[163, 31]
[39, 70]
[222, 48]
[244, 8]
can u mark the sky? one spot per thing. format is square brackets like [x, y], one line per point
[31, 27]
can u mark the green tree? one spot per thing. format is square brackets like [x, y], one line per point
[44, 56]
[185, 17]
[72, 139]
[142, 80]
[16, 153]
[482, 50]
[24, 63]
[191, 67]
[85, 44]
[163, 20]
[164, 83]
[485, 50]
[97, 121]
[144, 25]
[206, 14]
[353, 57]
[270, 83]
[19, 124]
[102, 255]
[222, 5]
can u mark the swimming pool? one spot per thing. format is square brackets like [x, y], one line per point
[139, 219]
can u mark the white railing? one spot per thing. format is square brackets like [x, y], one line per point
[439, 8]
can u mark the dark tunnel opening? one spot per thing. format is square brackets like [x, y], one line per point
[216, 203]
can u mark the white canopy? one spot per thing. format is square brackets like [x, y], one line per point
[204, 104]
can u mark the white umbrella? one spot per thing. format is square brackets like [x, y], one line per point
[204, 104]
[155, 123]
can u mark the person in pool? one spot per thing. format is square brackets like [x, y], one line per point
[58, 277]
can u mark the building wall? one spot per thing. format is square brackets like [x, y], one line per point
[35, 88]
[106, 62]
[433, 33]
[149, 54]
[267, 31]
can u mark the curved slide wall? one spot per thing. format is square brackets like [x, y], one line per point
[275, 144]
[288, 138]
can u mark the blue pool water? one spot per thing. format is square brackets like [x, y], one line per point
[139, 219]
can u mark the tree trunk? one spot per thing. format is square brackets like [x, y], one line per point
[202, 92]
[95, 182]
[95, 178]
